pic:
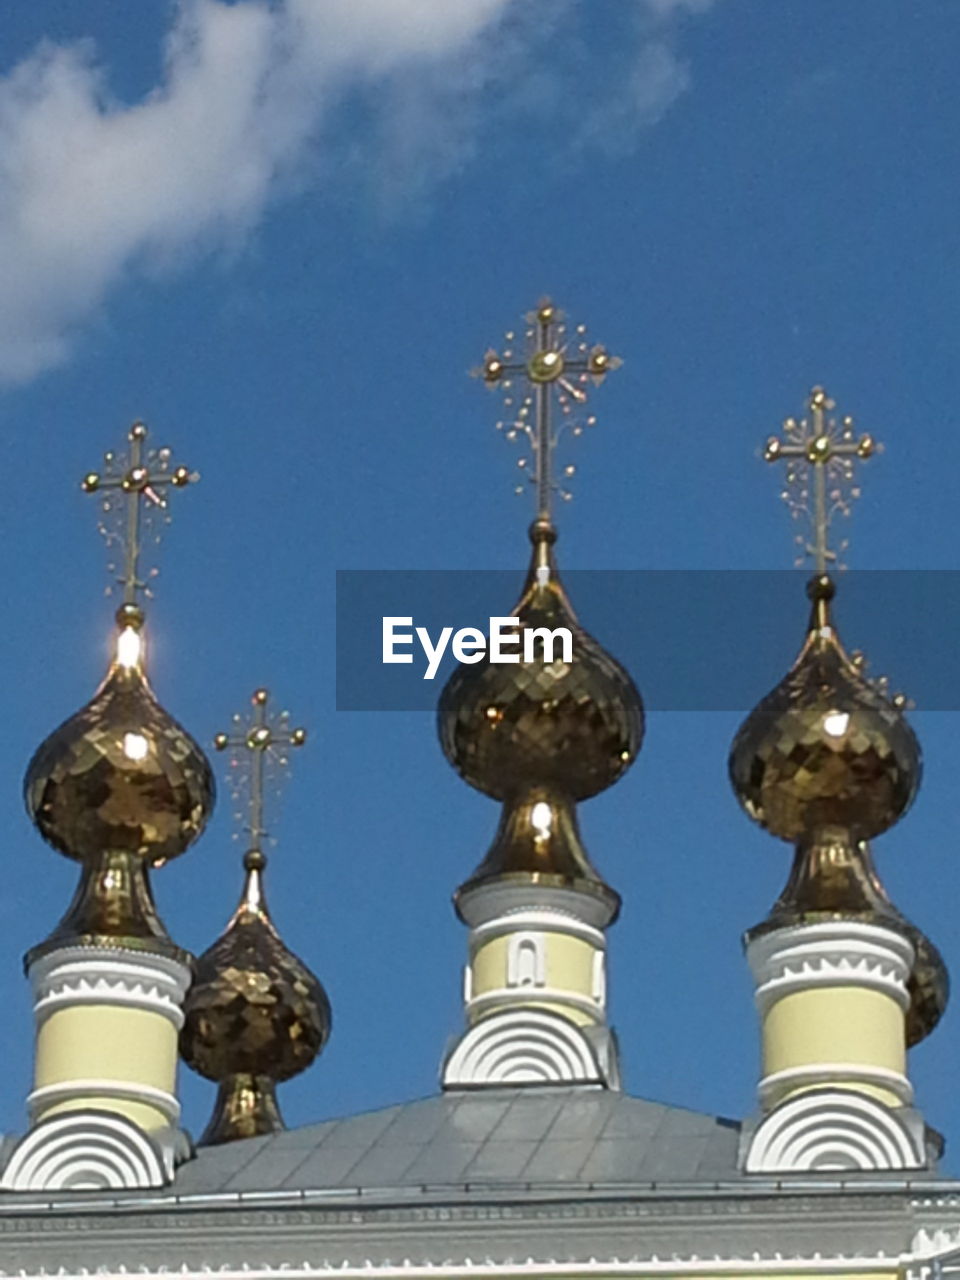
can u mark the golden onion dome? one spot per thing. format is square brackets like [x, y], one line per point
[571, 727]
[121, 774]
[826, 749]
[254, 1009]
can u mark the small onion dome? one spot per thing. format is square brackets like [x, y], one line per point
[825, 749]
[572, 727]
[120, 775]
[254, 1008]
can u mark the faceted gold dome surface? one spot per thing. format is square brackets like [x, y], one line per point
[254, 1007]
[120, 775]
[571, 727]
[825, 749]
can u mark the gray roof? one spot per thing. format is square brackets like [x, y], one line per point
[566, 1175]
[543, 1136]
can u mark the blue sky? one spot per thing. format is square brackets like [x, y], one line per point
[283, 243]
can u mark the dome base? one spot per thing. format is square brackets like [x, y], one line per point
[532, 1047]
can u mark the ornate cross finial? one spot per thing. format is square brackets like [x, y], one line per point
[820, 454]
[556, 369]
[134, 487]
[260, 740]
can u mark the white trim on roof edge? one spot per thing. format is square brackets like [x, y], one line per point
[777, 1264]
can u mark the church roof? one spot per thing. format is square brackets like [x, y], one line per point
[551, 1182]
[542, 1136]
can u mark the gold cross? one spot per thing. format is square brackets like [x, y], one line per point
[134, 481]
[557, 370]
[260, 738]
[820, 454]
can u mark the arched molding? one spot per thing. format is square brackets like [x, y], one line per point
[85, 1150]
[526, 964]
[523, 1046]
[832, 1129]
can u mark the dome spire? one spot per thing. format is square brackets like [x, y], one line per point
[255, 1014]
[846, 757]
[120, 786]
[540, 735]
[259, 744]
[555, 372]
[821, 455]
[133, 488]
[828, 761]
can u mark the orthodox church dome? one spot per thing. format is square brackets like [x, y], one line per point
[120, 774]
[253, 1006]
[826, 748]
[542, 735]
[120, 787]
[574, 727]
[255, 1015]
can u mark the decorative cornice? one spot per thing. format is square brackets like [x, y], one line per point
[822, 1075]
[495, 899]
[86, 975]
[836, 953]
[81, 1090]
[533, 997]
[692, 1264]
[162, 1233]
[928, 1244]
[540, 920]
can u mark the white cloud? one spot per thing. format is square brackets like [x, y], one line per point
[91, 188]
[650, 78]
[667, 8]
[647, 90]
